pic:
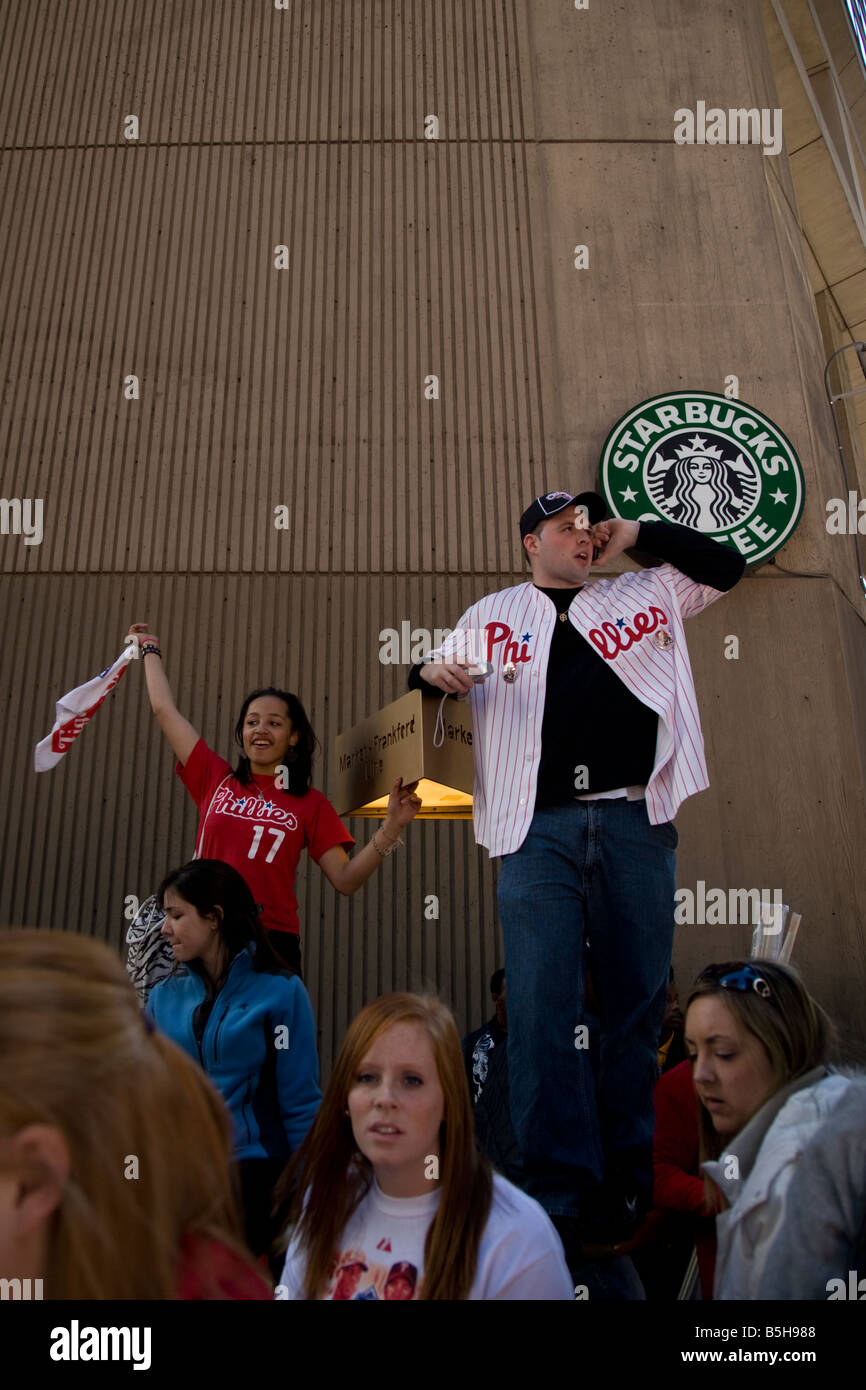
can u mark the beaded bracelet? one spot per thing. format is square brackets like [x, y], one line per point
[383, 853]
[150, 648]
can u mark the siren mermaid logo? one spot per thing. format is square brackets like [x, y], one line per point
[699, 487]
[717, 465]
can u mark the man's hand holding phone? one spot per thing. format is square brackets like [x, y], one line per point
[451, 677]
[611, 538]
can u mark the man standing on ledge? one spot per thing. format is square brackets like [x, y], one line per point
[586, 739]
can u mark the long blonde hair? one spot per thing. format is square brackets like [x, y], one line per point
[149, 1138]
[333, 1175]
[793, 1030]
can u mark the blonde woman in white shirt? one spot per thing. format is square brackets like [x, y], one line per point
[392, 1200]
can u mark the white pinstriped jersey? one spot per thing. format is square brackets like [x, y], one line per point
[635, 622]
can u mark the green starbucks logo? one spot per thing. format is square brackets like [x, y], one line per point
[709, 462]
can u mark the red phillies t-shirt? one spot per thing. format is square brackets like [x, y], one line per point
[260, 830]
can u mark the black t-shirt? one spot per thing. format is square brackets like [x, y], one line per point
[592, 721]
[596, 735]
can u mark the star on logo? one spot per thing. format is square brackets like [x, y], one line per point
[628, 495]
[240, 803]
[779, 495]
[269, 805]
[620, 622]
[526, 637]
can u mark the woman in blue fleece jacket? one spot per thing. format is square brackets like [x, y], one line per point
[246, 1019]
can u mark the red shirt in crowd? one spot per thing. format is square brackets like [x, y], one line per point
[678, 1183]
[209, 1270]
[260, 830]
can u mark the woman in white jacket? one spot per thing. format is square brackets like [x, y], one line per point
[759, 1045]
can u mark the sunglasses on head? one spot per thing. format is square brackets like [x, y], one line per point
[744, 979]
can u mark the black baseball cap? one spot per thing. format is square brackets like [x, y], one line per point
[553, 502]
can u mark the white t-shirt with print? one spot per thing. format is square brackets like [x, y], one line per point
[381, 1251]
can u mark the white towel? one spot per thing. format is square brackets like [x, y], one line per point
[77, 708]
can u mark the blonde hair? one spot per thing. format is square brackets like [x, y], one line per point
[792, 1028]
[78, 1055]
[334, 1176]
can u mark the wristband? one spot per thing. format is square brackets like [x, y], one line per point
[150, 648]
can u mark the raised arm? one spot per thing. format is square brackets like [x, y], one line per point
[179, 732]
[702, 559]
[347, 874]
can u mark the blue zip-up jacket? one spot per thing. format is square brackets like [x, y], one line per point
[257, 1044]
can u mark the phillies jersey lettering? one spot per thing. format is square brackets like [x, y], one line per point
[226, 803]
[498, 633]
[613, 638]
[260, 830]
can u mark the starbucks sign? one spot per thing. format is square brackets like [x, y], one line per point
[709, 462]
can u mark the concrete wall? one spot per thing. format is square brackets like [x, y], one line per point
[304, 387]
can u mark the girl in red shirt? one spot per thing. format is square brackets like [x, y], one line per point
[259, 816]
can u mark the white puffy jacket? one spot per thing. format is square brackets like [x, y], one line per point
[766, 1151]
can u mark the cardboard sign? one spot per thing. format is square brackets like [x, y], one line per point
[399, 742]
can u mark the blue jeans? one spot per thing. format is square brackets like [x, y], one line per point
[596, 872]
